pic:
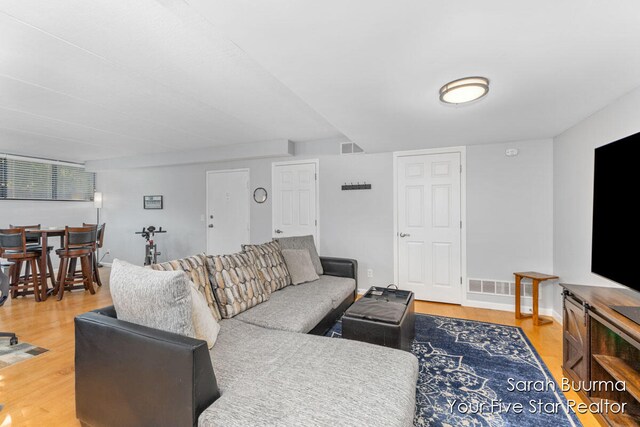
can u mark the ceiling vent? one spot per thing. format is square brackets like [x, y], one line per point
[350, 148]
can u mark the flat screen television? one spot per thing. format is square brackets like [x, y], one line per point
[616, 222]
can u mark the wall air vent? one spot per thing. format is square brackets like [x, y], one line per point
[350, 148]
[496, 287]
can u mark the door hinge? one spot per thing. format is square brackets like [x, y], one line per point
[316, 222]
[460, 225]
[315, 176]
[461, 280]
[460, 168]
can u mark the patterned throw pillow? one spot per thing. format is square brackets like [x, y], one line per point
[270, 264]
[196, 269]
[235, 283]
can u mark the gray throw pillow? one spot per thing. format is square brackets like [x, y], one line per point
[204, 324]
[157, 299]
[299, 265]
[302, 242]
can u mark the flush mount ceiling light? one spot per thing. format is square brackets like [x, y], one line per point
[464, 90]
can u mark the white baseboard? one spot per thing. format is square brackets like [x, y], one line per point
[526, 308]
[506, 307]
[106, 264]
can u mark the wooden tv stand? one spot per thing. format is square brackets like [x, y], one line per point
[601, 345]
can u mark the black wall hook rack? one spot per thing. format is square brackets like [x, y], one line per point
[357, 186]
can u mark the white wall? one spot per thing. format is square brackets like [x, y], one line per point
[356, 224]
[573, 186]
[47, 213]
[510, 213]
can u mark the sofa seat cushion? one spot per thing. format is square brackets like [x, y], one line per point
[235, 283]
[195, 267]
[336, 288]
[270, 377]
[300, 308]
[290, 309]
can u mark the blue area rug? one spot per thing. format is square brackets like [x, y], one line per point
[467, 369]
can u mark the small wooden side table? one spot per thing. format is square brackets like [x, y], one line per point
[536, 278]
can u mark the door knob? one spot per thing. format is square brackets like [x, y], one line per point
[278, 231]
[210, 225]
[404, 235]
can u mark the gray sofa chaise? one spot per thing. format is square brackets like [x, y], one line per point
[270, 366]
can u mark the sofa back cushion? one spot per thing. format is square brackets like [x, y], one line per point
[235, 282]
[195, 267]
[303, 242]
[157, 299]
[270, 264]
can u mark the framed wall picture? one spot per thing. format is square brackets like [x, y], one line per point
[152, 202]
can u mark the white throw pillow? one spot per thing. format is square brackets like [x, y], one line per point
[205, 325]
[157, 299]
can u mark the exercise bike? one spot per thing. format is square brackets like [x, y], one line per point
[151, 249]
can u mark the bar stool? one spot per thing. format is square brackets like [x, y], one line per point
[79, 244]
[99, 244]
[13, 248]
[32, 240]
[33, 244]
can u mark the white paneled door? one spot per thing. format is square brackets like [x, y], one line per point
[429, 226]
[295, 210]
[227, 211]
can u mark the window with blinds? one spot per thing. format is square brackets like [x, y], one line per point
[34, 179]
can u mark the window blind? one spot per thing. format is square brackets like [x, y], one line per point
[35, 179]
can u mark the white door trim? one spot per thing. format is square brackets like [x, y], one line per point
[301, 162]
[206, 208]
[463, 207]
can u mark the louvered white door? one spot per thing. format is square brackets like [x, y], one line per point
[294, 200]
[429, 226]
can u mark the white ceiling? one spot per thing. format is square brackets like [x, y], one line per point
[373, 68]
[82, 80]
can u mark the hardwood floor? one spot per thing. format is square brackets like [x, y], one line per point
[40, 391]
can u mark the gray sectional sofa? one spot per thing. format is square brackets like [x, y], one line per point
[270, 366]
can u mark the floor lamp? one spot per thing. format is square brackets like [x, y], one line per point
[97, 203]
